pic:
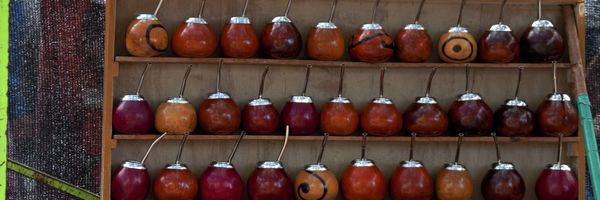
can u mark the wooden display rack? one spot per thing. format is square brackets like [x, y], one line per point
[404, 82]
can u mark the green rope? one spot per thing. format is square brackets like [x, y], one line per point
[51, 181]
[589, 138]
[4, 5]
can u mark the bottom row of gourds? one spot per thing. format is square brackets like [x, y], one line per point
[362, 180]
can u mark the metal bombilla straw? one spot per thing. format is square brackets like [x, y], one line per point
[152, 146]
[431, 75]
[285, 141]
[539, 9]
[462, 5]
[381, 79]
[519, 83]
[218, 85]
[184, 82]
[237, 143]
[467, 75]
[158, 7]
[323, 144]
[332, 11]
[306, 78]
[419, 12]
[413, 135]
[287, 9]
[501, 18]
[341, 86]
[262, 82]
[560, 150]
[497, 147]
[139, 88]
[374, 15]
[459, 143]
[201, 8]
[245, 7]
[181, 147]
[363, 146]
[554, 78]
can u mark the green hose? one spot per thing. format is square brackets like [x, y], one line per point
[589, 138]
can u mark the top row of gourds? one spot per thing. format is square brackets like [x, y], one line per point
[280, 39]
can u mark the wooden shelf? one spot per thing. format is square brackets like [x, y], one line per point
[348, 138]
[302, 63]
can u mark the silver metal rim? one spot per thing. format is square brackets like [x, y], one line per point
[315, 167]
[371, 27]
[132, 97]
[176, 166]
[132, 164]
[363, 162]
[503, 166]
[542, 23]
[270, 165]
[500, 27]
[411, 164]
[177, 100]
[561, 167]
[426, 100]
[515, 102]
[455, 167]
[326, 25]
[239, 20]
[301, 99]
[281, 19]
[559, 97]
[340, 100]
[414, 27]
[221, 164]
[469, 96]
[196, 20]
[218, 95]
[146, 17]
[382, 100]
[260, 102]
[458, 29]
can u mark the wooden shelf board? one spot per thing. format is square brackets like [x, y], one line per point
[573, 139]
[302, 63]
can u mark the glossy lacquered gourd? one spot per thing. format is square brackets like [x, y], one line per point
[176, 181]
[514, 118]
[132, 114]
[269, 179]
[498, 45]
[381, 117]
[425, 116]
[411, 180]
[557, 115]
[260, 116]
[146, 36]
[502, 181]
[541, 42]
[326, 42]
[220, 180]
[338, 115]
[300, 112]
[238, 38]
[194, 38]
[557, 181]
[218, 113]
[177, 115]
[362, 179]
[413, 43]
[131, 180]
[371, 43]
[316, 181]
